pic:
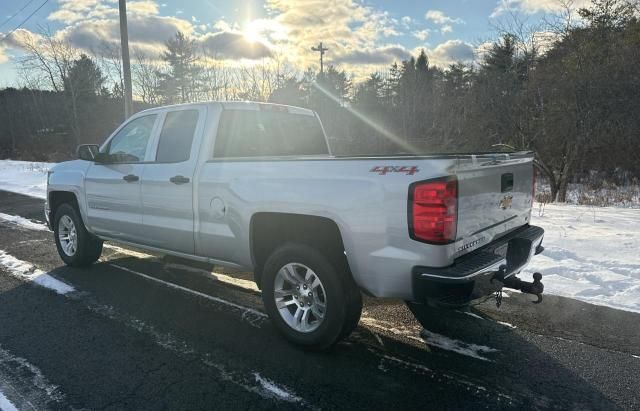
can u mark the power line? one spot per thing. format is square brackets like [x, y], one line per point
[16, 13]
[25, 20]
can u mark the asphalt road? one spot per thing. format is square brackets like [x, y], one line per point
[145, 332]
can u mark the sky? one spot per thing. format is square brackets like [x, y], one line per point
[361, 35]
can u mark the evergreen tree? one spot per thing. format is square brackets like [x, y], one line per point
[180, 84]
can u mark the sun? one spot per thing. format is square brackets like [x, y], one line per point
[253, 32]
[264, 31]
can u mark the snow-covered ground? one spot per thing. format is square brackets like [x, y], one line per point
[24, 177]
[591, 252]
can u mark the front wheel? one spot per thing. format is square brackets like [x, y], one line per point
[76, 246]
[309, 302]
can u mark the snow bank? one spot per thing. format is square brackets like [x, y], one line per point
[5, 404]
[591, 254]
[24, 177]
[23, 222]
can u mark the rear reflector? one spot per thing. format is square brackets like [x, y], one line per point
[433, 210]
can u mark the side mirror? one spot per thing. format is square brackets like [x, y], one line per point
[87, 152]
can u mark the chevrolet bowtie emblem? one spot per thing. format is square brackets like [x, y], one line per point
[506, 202]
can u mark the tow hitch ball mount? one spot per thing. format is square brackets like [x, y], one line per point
[536, 287]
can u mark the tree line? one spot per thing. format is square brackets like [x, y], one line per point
[570, 92]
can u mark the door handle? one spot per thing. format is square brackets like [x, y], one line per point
[130, 178]
[179, 180]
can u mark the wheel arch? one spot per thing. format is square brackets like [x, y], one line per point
[59, 197]
[269, 230]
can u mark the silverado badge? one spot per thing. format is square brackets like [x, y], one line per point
[506, 202]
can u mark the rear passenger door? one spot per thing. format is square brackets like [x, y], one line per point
[167, 182]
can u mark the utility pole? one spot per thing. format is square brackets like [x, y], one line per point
[321, 50]
[126, 65]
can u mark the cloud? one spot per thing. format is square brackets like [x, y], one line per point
[535, 6]
[146, 33]
[233, 45]
[383, 55]
[440, 18]
[18, 38]
[451, 51]
[91, 23]
[447, 28]
[421, 35]
[346, 27]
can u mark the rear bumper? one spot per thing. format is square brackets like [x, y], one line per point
[472, 275]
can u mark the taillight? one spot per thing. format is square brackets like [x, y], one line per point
[433, 210]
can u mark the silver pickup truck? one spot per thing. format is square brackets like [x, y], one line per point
[255, 187]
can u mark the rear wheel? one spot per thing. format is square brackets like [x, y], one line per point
[76, 246]
[309, 302]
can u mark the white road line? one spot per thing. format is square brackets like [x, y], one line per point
[28, 272]
[238, 282]
[190, 291]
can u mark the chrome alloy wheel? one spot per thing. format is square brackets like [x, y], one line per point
[300, 297]
[67, 235]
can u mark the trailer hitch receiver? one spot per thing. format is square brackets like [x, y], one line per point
[536, 287]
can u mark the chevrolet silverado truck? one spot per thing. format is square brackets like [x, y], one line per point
[255, 187]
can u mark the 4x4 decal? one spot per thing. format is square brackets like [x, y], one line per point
[382, 170]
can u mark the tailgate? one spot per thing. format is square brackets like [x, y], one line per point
[495, 194]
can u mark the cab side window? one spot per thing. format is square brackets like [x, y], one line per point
[130, 144]
[176, 137]
[262, 133]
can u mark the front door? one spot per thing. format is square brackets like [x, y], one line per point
[167, 181]
[113, 188]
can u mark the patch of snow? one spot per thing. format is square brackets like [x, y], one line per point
[28, 272]
[276, 390]
[457, 346]
[590, 254]
[23, 222]
[35, 389]
[507, 324]
[24, 177]
[470, 314]
[389, 327]
[408, 364]
[5, 404]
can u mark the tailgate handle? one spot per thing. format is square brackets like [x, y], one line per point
[506, 182]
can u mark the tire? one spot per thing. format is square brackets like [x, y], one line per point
[327, 288]
[67, 223]
[354, 308]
